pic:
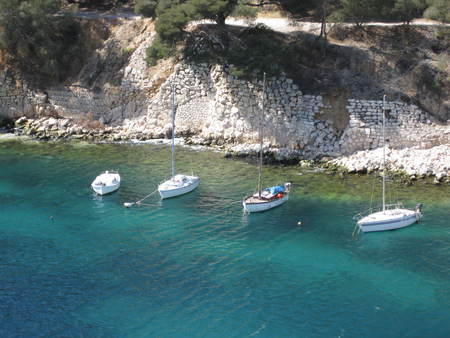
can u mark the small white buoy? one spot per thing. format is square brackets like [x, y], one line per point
[127, 204]
[300, 223]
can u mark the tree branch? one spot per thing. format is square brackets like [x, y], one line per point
[262, 3]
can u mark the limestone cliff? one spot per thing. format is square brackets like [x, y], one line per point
[320, 107]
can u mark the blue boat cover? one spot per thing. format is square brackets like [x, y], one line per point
[275, 190]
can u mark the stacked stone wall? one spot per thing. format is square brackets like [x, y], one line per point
[405, 126]
[110, 107]
[218, 108]
[15, 100]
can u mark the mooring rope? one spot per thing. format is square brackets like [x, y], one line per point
[356, 231]
[139, 202]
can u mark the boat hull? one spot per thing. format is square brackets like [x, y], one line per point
[167, 191]
[103, 190]
[389, 220]
[259, 207]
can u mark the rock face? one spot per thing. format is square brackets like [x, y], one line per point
[216, 108]
[220, 109]
[415, 161]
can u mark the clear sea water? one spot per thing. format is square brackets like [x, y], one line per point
[73, 264]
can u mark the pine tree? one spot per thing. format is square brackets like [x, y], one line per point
[438, 10]
[43, 45]
[407, 10]
[146, 8]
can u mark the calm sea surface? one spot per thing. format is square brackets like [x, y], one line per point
[73, 264]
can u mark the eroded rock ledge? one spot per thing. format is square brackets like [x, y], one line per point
[414, 162]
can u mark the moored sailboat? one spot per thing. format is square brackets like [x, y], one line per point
[177, 184]
[388, 216]
[266, 198]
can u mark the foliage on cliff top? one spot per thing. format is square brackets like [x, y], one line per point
[42, 41]
[253, 49]
[409, 63]
[173, 16]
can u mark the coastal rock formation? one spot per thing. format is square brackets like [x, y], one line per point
[415, 162]
[131, 101]
[214, 108]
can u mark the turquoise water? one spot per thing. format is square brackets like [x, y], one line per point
[73, 264]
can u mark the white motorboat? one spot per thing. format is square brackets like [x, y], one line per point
[387, 217]
[106, 182]
[267, 198]
[177, 184]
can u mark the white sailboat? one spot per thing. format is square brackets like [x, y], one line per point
[106, 182]
[271, 197]
[388, 216]
[177, 184]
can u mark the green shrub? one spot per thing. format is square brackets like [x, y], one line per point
[43, 42]
[438, 10]
[242, 11]
[255, 49]
[158, 50]
[145, 7]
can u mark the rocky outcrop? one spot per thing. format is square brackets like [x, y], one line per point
[50, 128]
[216, 108]
[415, 162]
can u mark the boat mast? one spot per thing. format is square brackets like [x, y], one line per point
[260, 136]
[384, 154]
[174, 108]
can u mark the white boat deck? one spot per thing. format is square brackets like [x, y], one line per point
[388, 215]
[178, 185]
[178, 181]
[106, 182]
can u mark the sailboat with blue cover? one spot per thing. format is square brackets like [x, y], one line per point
[265, 198]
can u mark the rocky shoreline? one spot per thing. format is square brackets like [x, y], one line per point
[414, 162]
[318, 118]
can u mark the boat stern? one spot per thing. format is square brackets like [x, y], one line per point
[418, 211]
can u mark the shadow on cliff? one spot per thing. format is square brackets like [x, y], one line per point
[410, 62]
[336, 72]
[367, 63]
[96, 90]
[314, 65]
[404, 62]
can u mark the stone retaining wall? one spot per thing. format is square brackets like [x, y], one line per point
[406, 126]
[215, 107]
[15, 100]
[219, 108]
